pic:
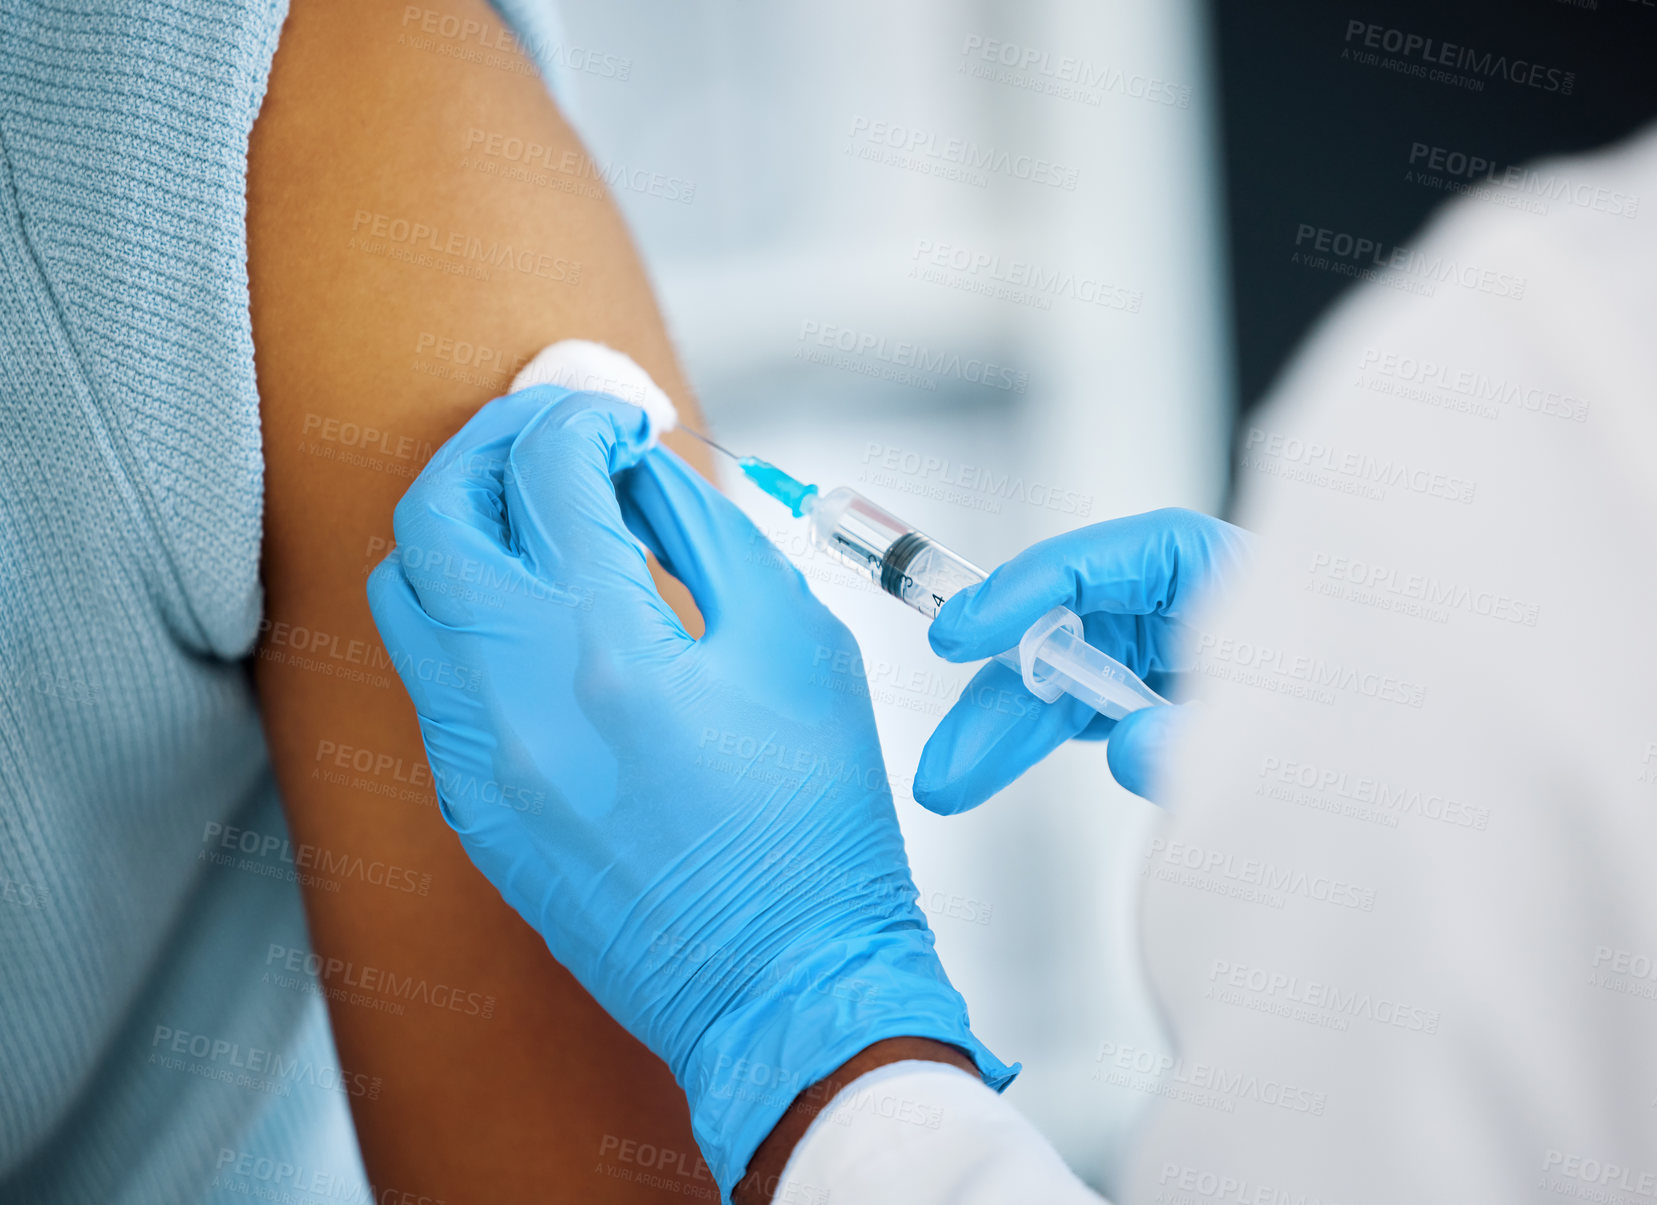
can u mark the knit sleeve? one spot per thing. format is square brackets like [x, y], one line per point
[124, 126]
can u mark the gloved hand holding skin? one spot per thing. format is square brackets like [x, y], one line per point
[1134, 583]
[702, 831]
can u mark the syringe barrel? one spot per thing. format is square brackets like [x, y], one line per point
[925, 574]
[905, 563]
[1054, 658]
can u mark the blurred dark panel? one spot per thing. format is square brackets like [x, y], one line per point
[1317, 134]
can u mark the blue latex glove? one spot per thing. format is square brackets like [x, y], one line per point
[702, 830]
[1134, 582]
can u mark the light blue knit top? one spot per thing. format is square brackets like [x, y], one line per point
[145, 1055]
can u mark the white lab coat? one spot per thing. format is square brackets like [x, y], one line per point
[1403, 915]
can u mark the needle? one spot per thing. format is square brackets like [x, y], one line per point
[715, 446]
[793, 494]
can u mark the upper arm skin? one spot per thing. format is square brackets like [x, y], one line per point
[355, 326]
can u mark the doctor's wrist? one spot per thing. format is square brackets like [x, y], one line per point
[805, 1015]
[766, 1167]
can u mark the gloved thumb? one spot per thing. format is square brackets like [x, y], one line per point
[739, 579]
[1149, 564]
[559, 497]
[565, 521]
[1141, 745]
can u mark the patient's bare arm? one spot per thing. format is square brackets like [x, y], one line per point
[398, 279]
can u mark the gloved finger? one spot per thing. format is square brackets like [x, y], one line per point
[1148, 564]
[1171, 684]
[701, 537]
[1141, 744]
[1098, 728]
[565, 522]
[406, 628]
[451, 522]
[995, 731]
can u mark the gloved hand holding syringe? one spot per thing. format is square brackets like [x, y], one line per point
[706, 800]
[1053, 657]
[1131, 584]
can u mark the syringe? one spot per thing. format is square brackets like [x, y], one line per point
[1053, 657]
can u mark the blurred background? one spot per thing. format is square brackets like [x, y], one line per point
[1013, 266]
